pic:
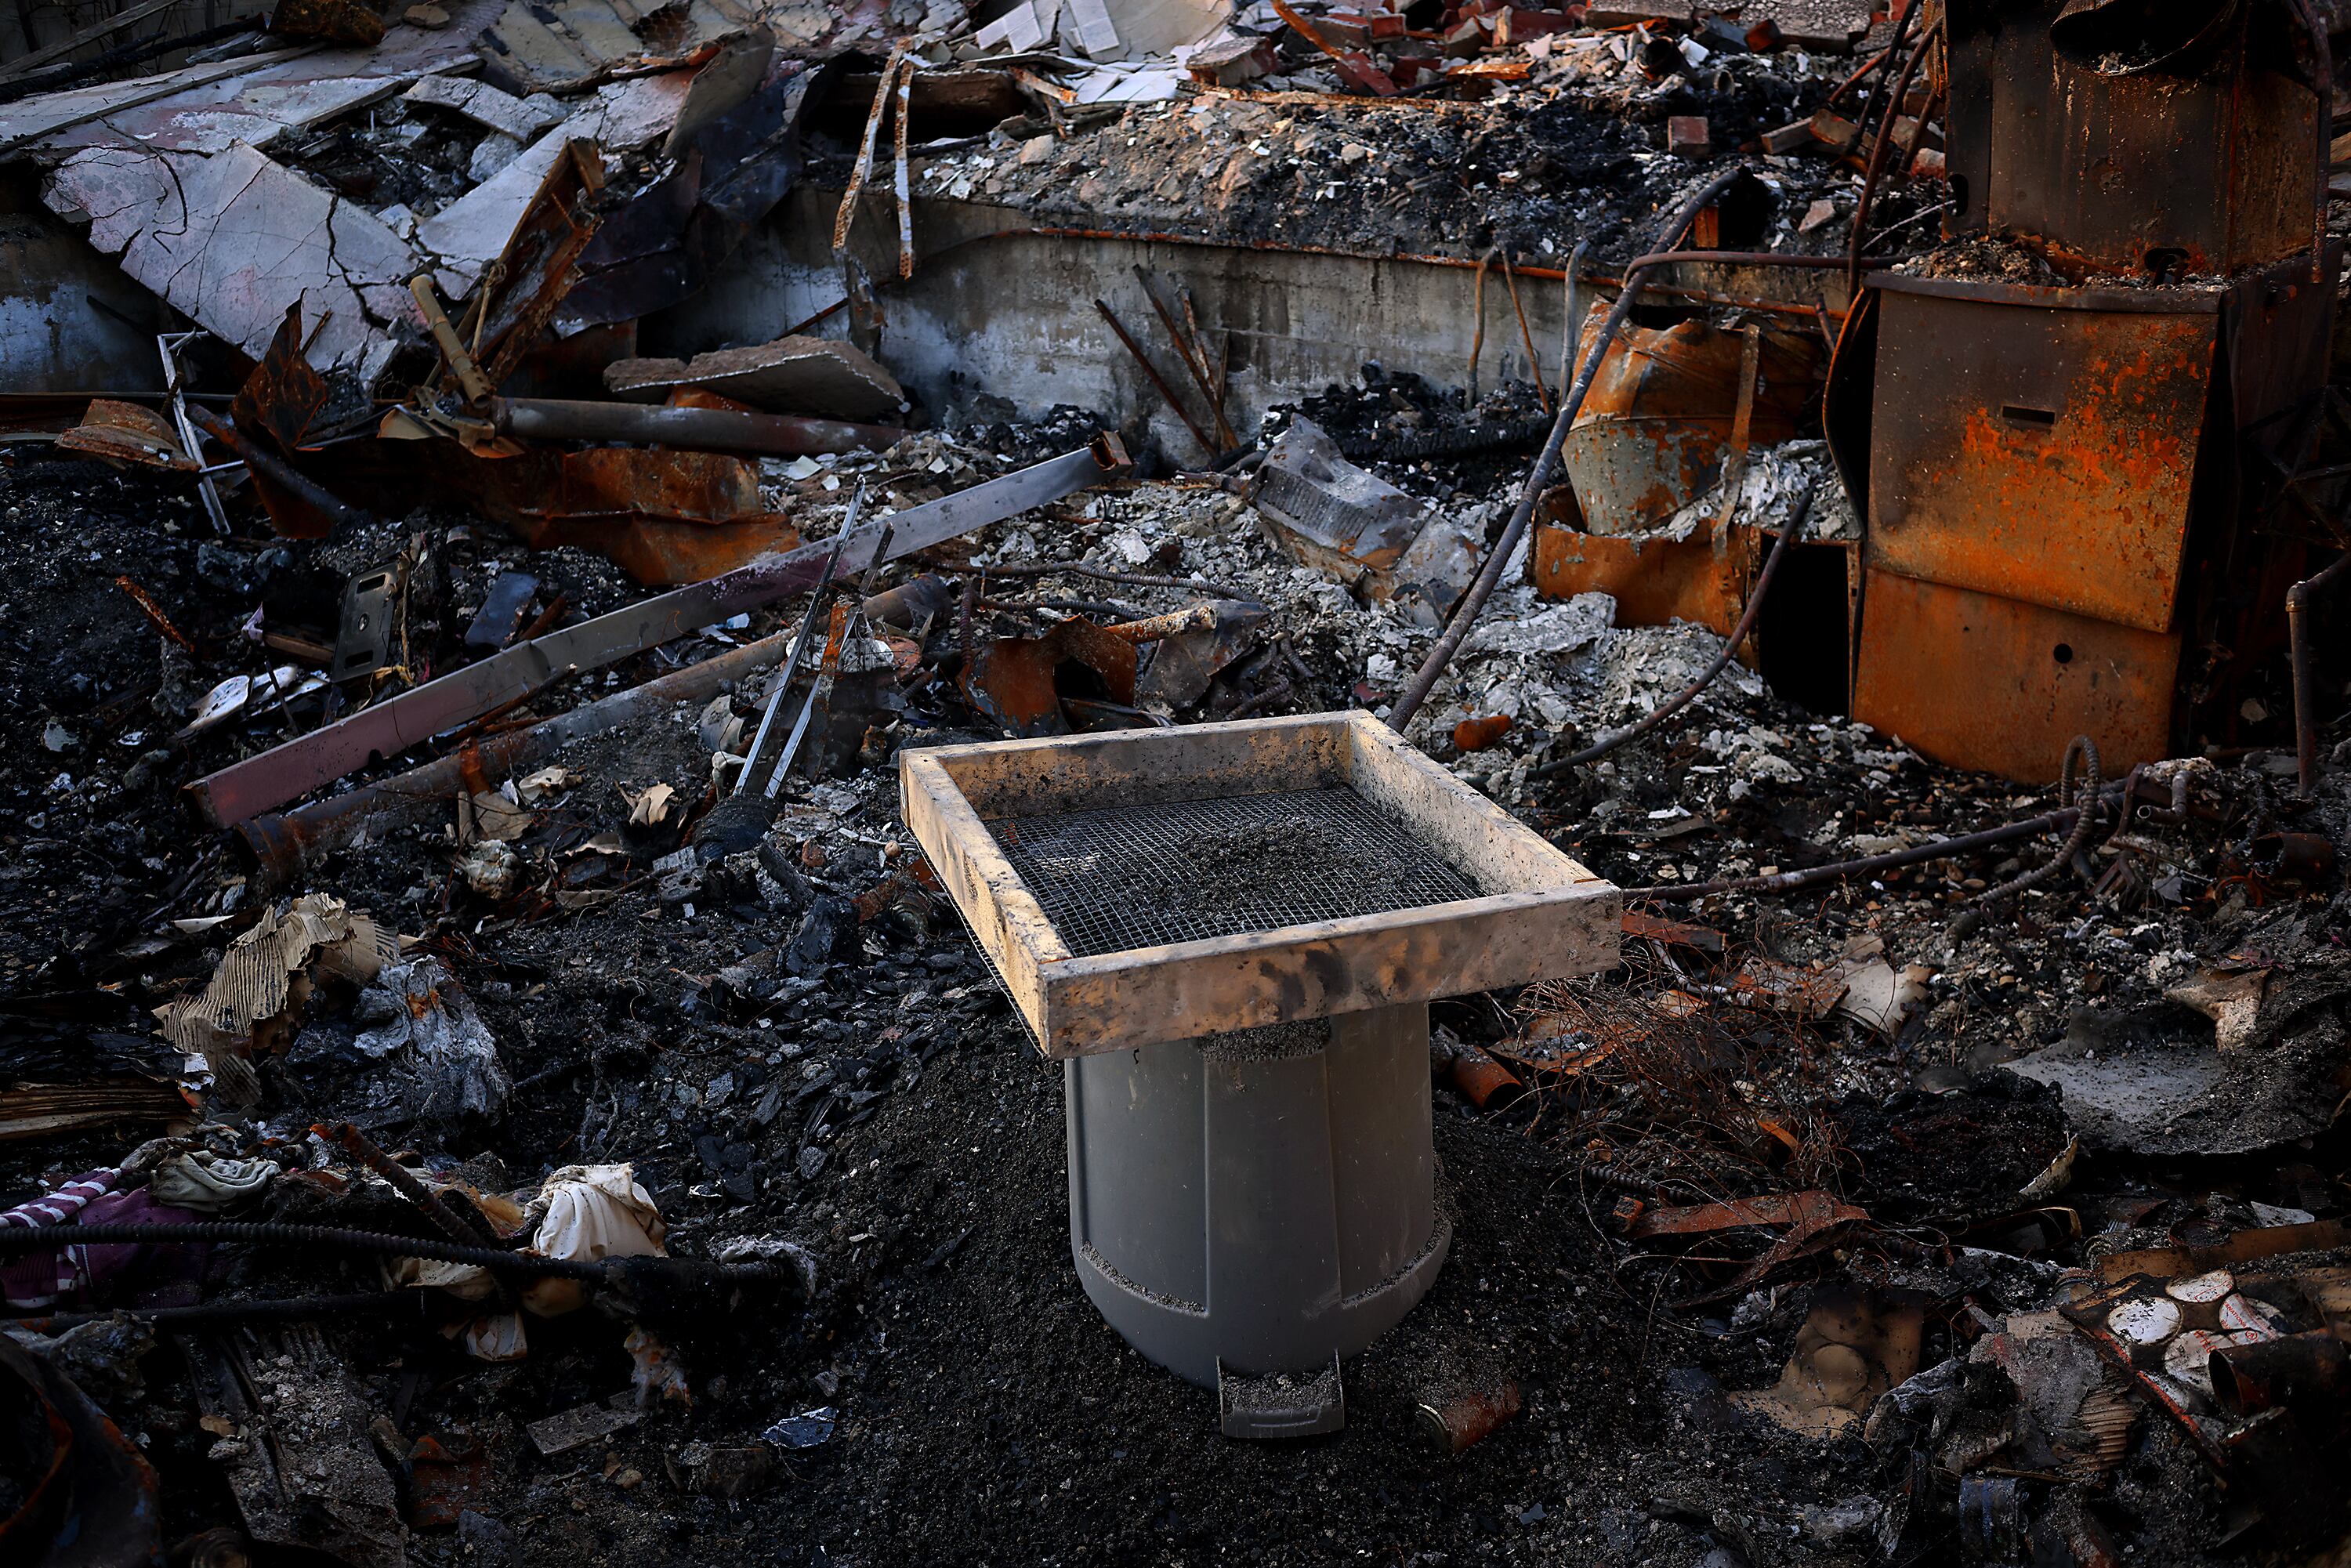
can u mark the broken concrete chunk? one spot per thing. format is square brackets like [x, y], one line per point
[569, 1431]
[524, 118]
[234, 239]
[471, 232]
[790, 375]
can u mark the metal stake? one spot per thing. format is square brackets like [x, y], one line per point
[800, 643]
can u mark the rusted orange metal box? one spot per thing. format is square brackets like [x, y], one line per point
[2044, 465]
[2166, 138]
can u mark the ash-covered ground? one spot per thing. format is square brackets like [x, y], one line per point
[779, 1060]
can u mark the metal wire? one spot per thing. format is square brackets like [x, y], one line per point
[1120, 877]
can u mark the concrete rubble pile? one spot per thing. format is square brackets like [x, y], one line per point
[615, 618]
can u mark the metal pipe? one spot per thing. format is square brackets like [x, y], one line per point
[1743, 259]
[1877, 159]
[1526, 337]
[1196, 370]
[270, 779]
[275, 469]
[1663, 711]
[283, 844]
[694, 429]
[1539, 476]
[470, 380]
[1934, 849]
[365, 1150]
[2083, 794]
[274, 1309]
[799, 644]
[1571, 276]
[2306, 697]
[2311, 1370]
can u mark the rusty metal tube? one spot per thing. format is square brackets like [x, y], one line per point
[2306, 697]
[283, 844]
[1483, 1081]
[694, 429]
[1166, 392]
[1571, 402]
[1450, 1423]
[1877, 159]
[1742, 258]
[2302, 1370]
[404, 1181]
[274, 468]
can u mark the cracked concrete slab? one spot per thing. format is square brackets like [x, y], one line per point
[520, 118]
[232, 239]
[254, 100]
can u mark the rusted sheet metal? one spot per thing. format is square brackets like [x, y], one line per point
[284, 392]
[2044, 454]
[1983, 681]
[83, 1494]
[1652, 431]
[1803, 1211]
[287, 772]
[127, 433]
[1020, 681]
[664, 517]
[2201, 166]
[539, 265]
[1653, 580]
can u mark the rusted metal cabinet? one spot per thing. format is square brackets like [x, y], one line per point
[2044, 466]
[2040, 444]
[2195, 155]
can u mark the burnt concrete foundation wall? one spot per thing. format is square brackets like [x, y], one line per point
[70, 320]
[1011, 315]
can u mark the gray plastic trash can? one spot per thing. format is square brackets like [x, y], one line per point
[1265, 1197]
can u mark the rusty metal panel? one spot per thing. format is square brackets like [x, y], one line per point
[127, 433]
[664, 517]
[1653, 580]
[2043, 454]
[1977, 680]
[1651, 435]
[2206, 164]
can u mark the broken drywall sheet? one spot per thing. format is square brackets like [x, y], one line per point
[233, 239]
[524, 118]
[562, 46]
[471, 232]
[253, 99]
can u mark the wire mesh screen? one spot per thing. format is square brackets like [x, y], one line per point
[1115, 877]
